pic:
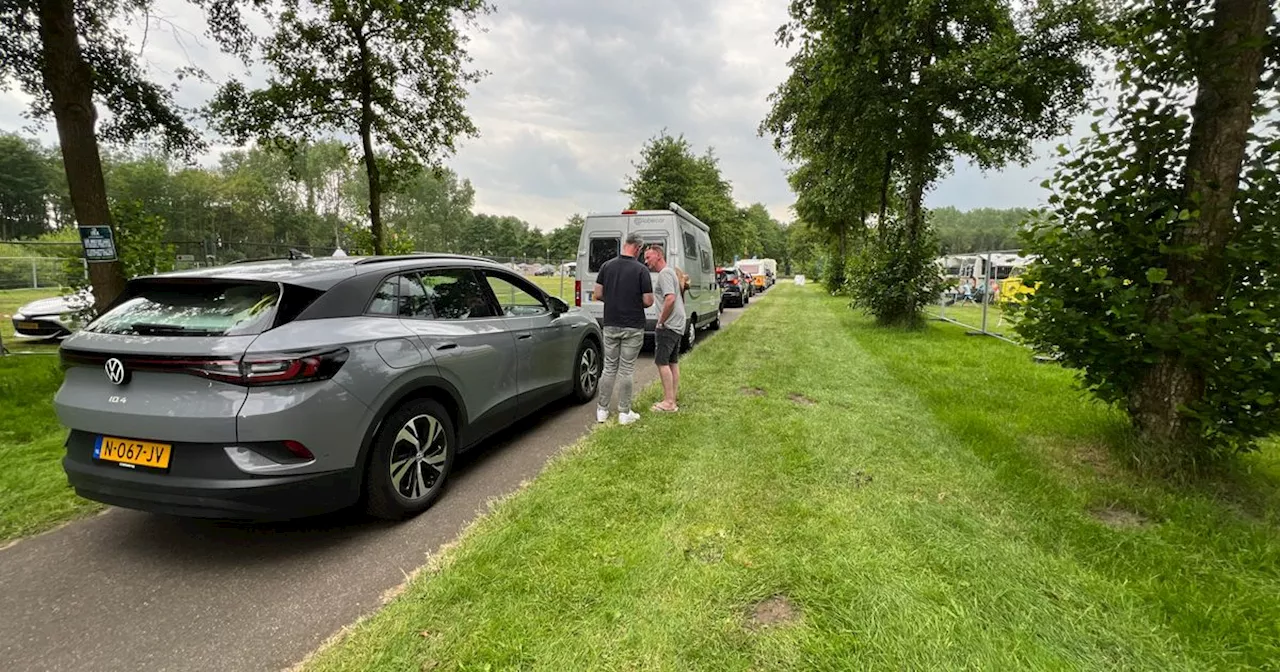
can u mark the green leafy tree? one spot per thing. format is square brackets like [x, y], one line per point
[1160, 252]
[885, 95]
[70, 57]
[564, 240]
[391, 72]
[669, 172]
[25, 186]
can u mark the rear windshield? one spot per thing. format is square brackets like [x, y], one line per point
[193, 309]
[601, 250]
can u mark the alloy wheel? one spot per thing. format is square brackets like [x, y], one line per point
[418, 457]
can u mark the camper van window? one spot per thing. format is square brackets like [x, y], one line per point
[690, 246]
[706, 262]
[602, 250]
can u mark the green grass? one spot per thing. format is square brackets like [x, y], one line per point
[10, 301]
[971, 316]
[552, 285]
[935, 507]
[34, 494]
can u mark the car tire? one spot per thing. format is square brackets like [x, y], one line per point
[409, 443]
[715, 324]
[588, 365]
[690, 334]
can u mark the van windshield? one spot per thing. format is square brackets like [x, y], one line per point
[749, 269]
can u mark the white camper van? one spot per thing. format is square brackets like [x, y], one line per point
[688, 247]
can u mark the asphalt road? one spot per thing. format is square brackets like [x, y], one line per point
[133, 591]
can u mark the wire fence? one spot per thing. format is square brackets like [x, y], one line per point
[980, 291]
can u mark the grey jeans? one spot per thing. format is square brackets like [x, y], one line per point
[621, 348]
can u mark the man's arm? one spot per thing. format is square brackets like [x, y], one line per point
[668, 305]
[597, 294]
[646, 286]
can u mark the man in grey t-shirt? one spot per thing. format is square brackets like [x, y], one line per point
[667, 294]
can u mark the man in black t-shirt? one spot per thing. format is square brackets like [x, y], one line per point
[626, 289]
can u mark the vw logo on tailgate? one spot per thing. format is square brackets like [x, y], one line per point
[116, 372]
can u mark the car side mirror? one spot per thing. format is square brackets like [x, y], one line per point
[558, 306]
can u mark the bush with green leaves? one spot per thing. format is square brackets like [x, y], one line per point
[1135, 274]
[893, 277]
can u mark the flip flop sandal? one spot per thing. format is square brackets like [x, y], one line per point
[659, 409]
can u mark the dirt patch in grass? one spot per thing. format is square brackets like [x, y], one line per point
[860, 479]
[801, 399]
[753, 392]
[774, 612]
[1120, 518]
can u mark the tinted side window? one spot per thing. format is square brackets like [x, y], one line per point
[706, 261]
[690, 246]
[600, 251]
[457, 295]
[401, 295]
[384, 300]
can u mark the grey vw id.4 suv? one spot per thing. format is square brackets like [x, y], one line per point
[280, 389]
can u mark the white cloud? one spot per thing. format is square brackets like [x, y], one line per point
[577, 86]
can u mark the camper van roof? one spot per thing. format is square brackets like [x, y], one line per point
[675, 209]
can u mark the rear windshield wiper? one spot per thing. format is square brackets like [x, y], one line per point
[146, 329]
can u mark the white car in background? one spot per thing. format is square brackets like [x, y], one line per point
[54, 317]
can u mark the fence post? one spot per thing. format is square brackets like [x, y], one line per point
[35, 280]
[986, 292]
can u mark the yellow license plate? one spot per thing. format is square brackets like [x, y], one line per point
[129, 451]
[34, 326]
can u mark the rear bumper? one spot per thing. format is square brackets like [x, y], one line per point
[221, 491]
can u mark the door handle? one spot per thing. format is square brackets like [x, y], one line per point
[446, 346]
[524, 336]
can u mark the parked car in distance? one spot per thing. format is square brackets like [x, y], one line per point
[735, 288]
[53, 317]
[279, 389]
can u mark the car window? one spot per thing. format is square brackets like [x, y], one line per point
[402, 296]
[384, 300]
[213, 308]
[690, 246]
[457, 295]
[514, 300]
[600, 251]
[706, 261]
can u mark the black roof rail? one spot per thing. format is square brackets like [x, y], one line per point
[255, 259]
[408, 257]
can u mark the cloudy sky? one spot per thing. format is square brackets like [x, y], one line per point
[577, 86]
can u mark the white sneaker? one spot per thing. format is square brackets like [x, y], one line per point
[602, 414]
[628, 417]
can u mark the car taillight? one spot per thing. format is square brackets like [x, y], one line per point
[577, 293]
[734, 281]
[274, 369]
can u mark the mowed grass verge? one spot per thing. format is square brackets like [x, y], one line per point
[34, 494]
[836, 496]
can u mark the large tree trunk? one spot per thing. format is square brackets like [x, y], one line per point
[1221, 117]
[885, 178]
[70, 84]
[366, 140]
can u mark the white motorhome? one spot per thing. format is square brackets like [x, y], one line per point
[687, 243]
